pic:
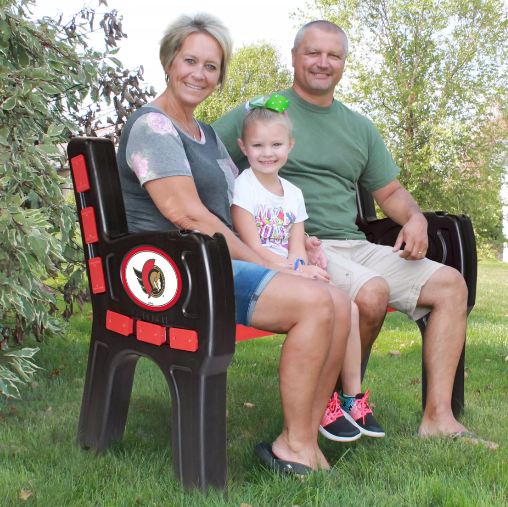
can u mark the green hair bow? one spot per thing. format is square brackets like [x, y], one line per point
[275, 102]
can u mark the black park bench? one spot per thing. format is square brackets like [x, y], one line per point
[169, 296]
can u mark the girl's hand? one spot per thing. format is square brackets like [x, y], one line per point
[284, 267]
[316, 272]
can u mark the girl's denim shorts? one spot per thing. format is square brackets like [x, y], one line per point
[250, 281]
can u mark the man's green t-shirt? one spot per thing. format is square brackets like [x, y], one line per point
[335, 147]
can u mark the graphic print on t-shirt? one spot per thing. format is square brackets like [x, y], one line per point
[273, 225]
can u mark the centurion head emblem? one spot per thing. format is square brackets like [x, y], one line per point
[151, 279]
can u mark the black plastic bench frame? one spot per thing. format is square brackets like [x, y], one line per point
[191, 338]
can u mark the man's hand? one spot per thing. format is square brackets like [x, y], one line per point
[315, 252]
[414, 234]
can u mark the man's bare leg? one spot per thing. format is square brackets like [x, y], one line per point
[446, 293]
[304, 310]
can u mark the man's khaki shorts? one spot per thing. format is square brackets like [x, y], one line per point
[351, 263]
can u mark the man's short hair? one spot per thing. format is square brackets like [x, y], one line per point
[322, 24]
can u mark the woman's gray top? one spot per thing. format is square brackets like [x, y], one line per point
[153, 147]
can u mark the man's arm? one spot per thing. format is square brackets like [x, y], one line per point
[397, 204]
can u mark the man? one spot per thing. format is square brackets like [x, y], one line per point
[335, 147]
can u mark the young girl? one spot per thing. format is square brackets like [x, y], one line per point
[265, 209]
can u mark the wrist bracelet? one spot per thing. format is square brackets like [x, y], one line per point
[298, 262]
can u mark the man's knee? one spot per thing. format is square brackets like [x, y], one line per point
[449, 286]
[372, 300]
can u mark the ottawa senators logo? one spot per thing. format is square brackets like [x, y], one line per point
[151, 279]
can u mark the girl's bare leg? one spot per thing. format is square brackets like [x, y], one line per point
[350, 374]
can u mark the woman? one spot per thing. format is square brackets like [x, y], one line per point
[175, 173]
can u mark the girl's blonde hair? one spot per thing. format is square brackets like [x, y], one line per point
[185, 25]
[265, 115]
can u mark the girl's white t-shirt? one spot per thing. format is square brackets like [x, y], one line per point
[274, 215]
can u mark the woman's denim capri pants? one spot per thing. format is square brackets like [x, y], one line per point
[250, 281]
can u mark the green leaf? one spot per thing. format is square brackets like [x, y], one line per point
[9, 103]
[52, 90]
[8, 389]
[57, 66]
[16, 366]
[90, 69]
[27, 86]
[55, 130]
[5, 29]
[116, 61]
[23, 58]
[26, 352]
[41, 72]
[48, 149]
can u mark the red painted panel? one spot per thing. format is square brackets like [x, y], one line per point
[150, 333]
[96, 275]
[89, 225]
[78, 165]
[247, 333]
[183, 339]
[119, 323]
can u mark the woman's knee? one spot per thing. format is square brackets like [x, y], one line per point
[307, 301]
[317, 299]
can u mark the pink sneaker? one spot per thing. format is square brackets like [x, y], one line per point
[334, 424]
[361, 416]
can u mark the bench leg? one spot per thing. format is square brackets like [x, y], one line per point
[365, 361]
[106, 397]
[198, 407]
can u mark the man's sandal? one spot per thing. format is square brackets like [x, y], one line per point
[467, 436]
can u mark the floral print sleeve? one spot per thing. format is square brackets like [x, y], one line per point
[155, 150]
[227, 159]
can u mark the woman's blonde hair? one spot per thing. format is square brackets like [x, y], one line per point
[265, 115]
[201, 22]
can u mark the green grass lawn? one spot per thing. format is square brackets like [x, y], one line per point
[37, 450]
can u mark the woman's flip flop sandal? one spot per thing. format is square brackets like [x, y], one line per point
[264, 451]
